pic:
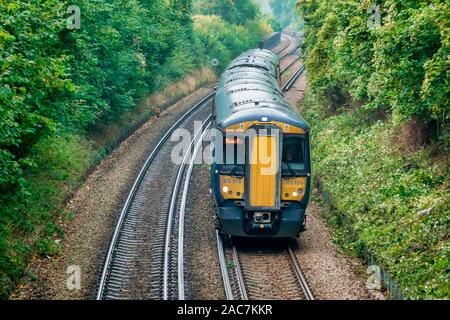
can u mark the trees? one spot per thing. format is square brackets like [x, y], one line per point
[235, 12]
[34, 83]
[401, 66]
[226, 28]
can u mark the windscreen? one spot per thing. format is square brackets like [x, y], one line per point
[233, 156]
[294, 155]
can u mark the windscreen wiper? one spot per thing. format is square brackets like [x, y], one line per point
[233, 171]
[291, 171]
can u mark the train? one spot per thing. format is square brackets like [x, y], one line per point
[271, 40]
[261, 159]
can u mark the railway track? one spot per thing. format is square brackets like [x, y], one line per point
[290, 64]
[173, 279]
[289, 51]
[290, 83]
[288, 43]
[145, 258]
[261, 272]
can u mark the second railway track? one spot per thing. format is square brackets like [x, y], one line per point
[142, 259]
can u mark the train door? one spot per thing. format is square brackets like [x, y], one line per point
[263, 174]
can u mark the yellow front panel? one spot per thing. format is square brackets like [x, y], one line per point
[263, 172]
[293, 189]
[232, 187]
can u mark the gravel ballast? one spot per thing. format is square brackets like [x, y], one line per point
[204, 277]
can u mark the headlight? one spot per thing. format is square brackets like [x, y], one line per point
[226, 189]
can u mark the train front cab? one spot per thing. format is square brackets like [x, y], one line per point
[263, 196]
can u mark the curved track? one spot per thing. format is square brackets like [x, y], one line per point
[290, 47]
[143, 256]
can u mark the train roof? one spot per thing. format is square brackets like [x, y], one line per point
[247, 76]
[239, 95]
[250, 102]
[249, 91]
[247, 85]
[244, 71]
[266, 112]
[261, 53]
[254, 62]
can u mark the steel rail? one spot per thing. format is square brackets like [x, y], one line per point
[290, 52]
[290, 65]
[300, 276]
[181, 291]
[285, 47]
[290, 83]
[239, 275]
[173, 204]
[223, 267]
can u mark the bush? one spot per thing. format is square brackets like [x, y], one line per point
[380, 196]
[29, 221]
[402, 65]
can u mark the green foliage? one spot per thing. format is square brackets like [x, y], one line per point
[28, 219]
[224, 41]
[276, 26]
[379, 196]
[231, 11]
[401, 66]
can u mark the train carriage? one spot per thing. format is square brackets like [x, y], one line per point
[258, 59]
[261, 174]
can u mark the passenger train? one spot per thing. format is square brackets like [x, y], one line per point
[261, 170]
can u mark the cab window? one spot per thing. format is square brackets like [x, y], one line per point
[233, 156]
[293, 157]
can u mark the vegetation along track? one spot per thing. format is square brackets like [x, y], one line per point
[290, 83]
[145, 259]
